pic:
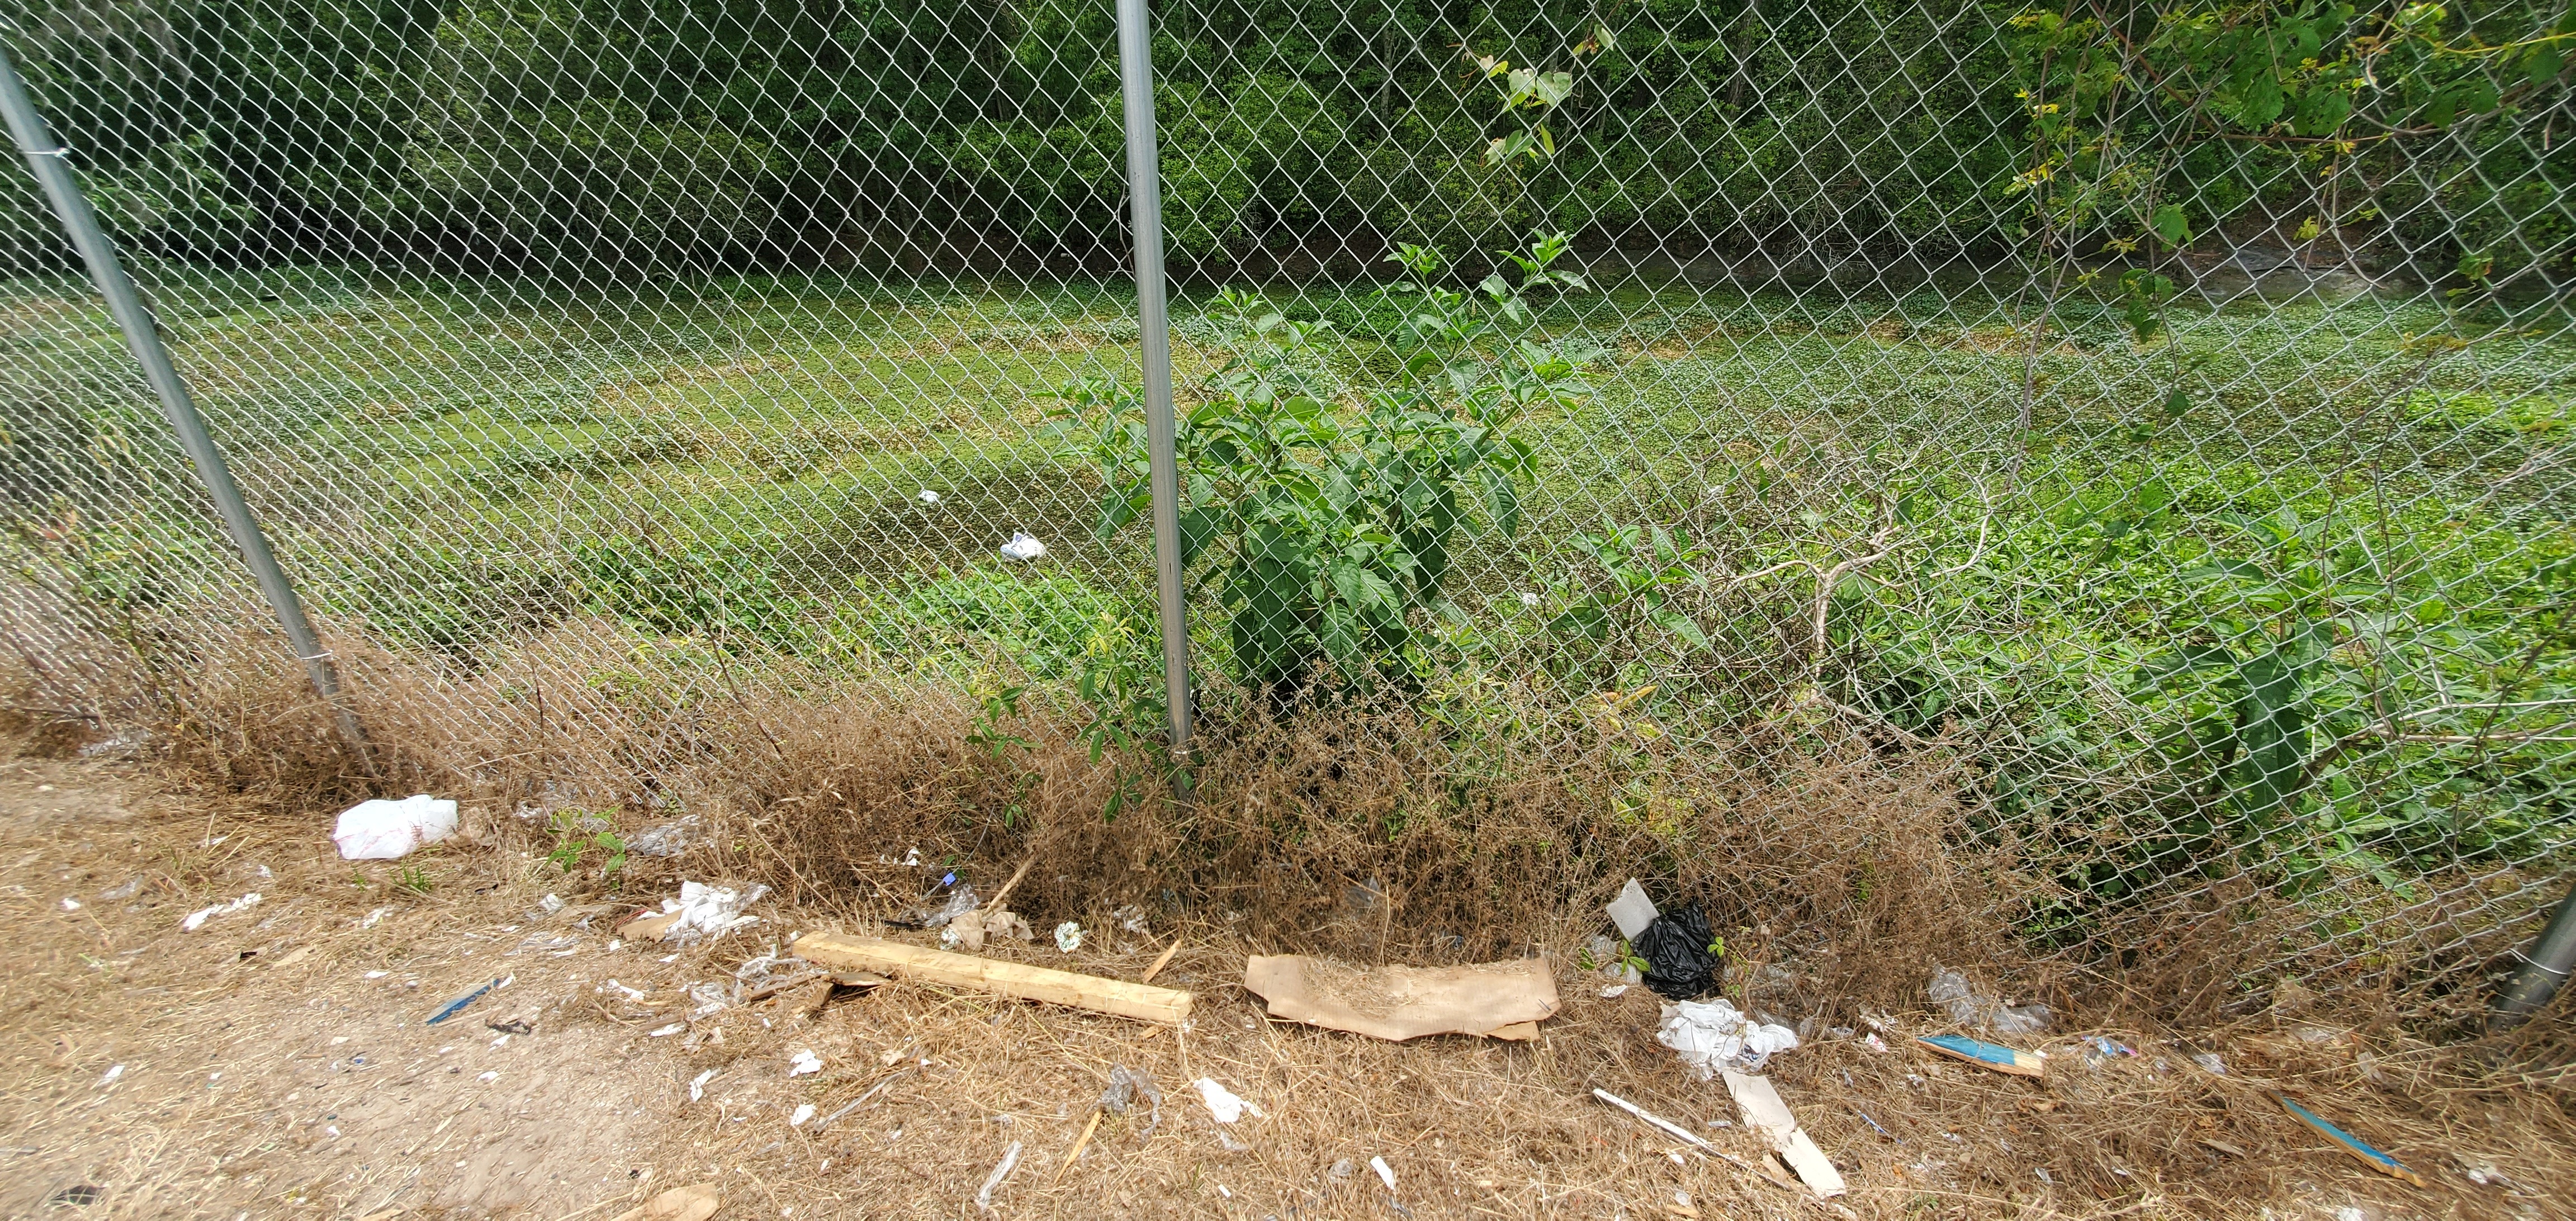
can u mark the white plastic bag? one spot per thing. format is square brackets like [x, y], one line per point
[1223, 1104]
[383, 830]
[1714, 1036]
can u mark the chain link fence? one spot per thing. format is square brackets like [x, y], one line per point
[2164, 407]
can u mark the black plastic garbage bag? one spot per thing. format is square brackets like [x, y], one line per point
[1675, 947]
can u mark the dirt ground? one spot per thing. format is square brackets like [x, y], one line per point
[276, 1062]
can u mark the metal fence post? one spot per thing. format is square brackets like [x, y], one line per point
[1145, 201]
[2545, 968]
[52, 164]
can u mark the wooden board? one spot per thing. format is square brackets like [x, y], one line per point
[911, 962]
[2360, 1152]
[1987, 1055]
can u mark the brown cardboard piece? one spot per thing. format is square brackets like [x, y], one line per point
[1763, 1110]
[1498, 1000]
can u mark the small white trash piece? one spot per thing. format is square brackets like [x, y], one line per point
[383, 830]
[928, 497]
[1223, 1103]
[1023, 546]
[804, 1062]
[1632, 911]
[1068, 936]
[197, 919]
[698, 1084]
[1385, 1173]
[1010, 1158]
[804, 1111]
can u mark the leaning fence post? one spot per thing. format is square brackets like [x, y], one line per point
[2545, 968]
[52, 164]
[1145, 196]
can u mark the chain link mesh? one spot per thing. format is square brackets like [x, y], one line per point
[2204, 479]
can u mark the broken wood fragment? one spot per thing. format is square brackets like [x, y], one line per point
[1986, 1055]
[918, 965]
[2360, 1152]
[1161, 960]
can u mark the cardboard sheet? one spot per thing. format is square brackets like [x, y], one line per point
[1499, 1000]
[1762, 1109]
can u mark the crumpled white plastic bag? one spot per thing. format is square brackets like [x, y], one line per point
[1712, 1036]
[1223, 1104]
[705, 911]
[383, 830]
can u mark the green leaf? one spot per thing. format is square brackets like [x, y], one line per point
[1680, 625]
[1361, 588]
[2445, 107]
[2478, 94]
[2321, 111]
[2543, 64]
[2225, 567]
[2170, 224]
[2177, 405]
[1586, 619]
[2272, 730]
[1503, 500]
[1118, 510]
[1198, 527]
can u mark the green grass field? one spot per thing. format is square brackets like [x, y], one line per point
[2097, 605]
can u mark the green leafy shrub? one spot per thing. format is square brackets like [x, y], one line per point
[1329, 528]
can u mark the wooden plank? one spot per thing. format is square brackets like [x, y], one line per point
[1986, 1055]
[2360, 1152]
[911, 962]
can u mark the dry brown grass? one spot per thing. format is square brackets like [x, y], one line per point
[1838, 878]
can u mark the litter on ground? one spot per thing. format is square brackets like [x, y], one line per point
[2360, 1152]
[1127, 1089]
[984, 1195]
[1713, 1036]
[1683, 957]
[1224, 1104]
[911, 962]
[382, 830]
[197, 919]
[701, 913]
[1986, 1055]
[1652, 1120]
[457, 1006]
[1969, 1007]
[1499, 1000]
[695, 1202]
[1760, 1105]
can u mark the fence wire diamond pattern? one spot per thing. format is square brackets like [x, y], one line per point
[2165, 407]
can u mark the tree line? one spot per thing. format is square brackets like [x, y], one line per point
[658, 133]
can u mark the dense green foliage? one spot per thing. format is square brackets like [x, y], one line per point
[1331, 526]
[624, 134]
